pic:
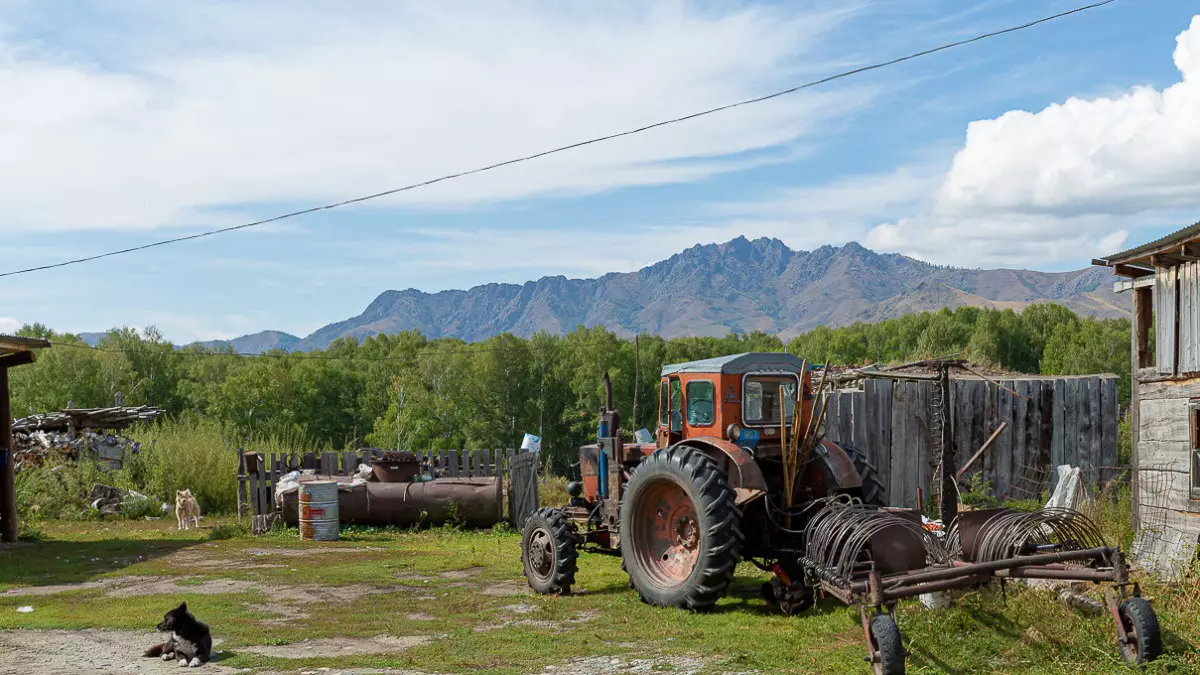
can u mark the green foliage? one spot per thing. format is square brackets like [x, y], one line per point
[59, 490]
[187, 454]
[977, 493]
[408, 391]
[141, 507]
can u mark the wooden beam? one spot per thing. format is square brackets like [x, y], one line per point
[1131, 271]
[8, 492]
[17, 359]
[1165, 260]
[1190, 251]
[1143, 318]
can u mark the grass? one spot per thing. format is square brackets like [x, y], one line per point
[464, 585]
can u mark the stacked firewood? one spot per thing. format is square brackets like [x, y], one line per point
[87, 418]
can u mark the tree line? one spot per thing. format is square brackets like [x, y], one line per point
[414, 392]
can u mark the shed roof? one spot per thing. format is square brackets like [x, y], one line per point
[738, 364]
[1169, 246]
[11, 344]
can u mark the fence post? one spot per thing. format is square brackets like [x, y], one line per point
[241, 476]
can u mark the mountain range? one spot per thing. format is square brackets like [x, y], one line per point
[740, 285]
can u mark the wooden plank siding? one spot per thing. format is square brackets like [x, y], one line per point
[1050, 421]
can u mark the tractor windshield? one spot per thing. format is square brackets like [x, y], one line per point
[760, 400]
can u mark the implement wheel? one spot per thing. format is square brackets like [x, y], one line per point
[680, 531]
[548, 552]
[1144, 642]
[887, 647]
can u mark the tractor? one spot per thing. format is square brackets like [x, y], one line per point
[707, 493]
[738, 470]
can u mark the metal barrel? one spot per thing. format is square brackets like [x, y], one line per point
[319, 511]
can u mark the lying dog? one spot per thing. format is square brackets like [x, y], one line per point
[190, 642]
[186, 507]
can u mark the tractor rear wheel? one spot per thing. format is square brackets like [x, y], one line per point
[548, 552]
[680, 531]
[871, 491]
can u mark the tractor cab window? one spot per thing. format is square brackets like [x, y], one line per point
[676, 406]
[664, 404]
[760, 400]
[700, 404]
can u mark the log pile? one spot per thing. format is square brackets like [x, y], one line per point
[87, 418]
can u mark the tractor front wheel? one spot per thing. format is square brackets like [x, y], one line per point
[548, 552]
[680, 531]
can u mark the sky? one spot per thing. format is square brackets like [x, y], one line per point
[127, 122]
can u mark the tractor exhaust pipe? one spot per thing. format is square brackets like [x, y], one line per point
[607, 392]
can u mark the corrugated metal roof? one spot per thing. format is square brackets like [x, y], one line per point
[1179, 236]
[11, 344]
[736, 364]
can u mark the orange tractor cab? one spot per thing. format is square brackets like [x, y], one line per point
[708, 492]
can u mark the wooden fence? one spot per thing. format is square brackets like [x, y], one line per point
[259, 474]
[1051, 421]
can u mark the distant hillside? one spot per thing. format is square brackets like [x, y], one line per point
[711, 289]
[257, 343]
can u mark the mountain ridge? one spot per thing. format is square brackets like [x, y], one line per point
[710, 289]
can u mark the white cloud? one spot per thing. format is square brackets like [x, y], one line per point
[1068, 182]
[9, 325]
[235, 104]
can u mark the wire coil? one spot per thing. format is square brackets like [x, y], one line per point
[838, 539]
[1011, 534]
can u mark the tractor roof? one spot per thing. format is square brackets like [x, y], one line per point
[738, 364]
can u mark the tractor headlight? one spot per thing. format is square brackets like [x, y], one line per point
[733, 432]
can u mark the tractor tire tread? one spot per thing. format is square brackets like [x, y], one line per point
[872, 491]
[1142, 616]
[890, 644]
[566, 556]
[721, 550]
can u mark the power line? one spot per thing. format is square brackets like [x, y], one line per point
[564, 148]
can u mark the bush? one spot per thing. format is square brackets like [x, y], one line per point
[60, 491]
[184, 454]
[139, 508]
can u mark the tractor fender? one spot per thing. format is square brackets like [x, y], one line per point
[745, 477]
[840, 465]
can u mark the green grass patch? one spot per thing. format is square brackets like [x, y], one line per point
[465, 591]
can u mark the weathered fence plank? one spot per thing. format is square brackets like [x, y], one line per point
[1049, 422]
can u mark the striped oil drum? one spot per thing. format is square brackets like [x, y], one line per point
[319, 511]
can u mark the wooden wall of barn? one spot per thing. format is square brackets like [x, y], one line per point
[1051, 421]
[1168, 519]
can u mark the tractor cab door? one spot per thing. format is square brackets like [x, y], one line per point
[670, 412]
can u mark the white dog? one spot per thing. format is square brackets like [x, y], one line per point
[186, 507]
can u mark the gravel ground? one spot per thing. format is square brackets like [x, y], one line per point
[62, 652]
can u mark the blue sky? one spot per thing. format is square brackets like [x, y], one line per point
[125, 122]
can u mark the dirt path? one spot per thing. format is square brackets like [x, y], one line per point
[63, 652]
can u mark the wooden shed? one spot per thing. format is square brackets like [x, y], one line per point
[1163, 279]
[14, 351]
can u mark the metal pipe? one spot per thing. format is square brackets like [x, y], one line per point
[989, 567]
[1043, 573]
[932, 587]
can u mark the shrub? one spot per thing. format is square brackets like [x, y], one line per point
[59, 490]
[184, 454]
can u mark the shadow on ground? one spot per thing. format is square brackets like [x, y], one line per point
[43, 563]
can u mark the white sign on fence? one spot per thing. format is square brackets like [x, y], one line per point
[532, 444]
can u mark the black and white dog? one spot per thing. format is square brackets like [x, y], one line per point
[190, 642]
